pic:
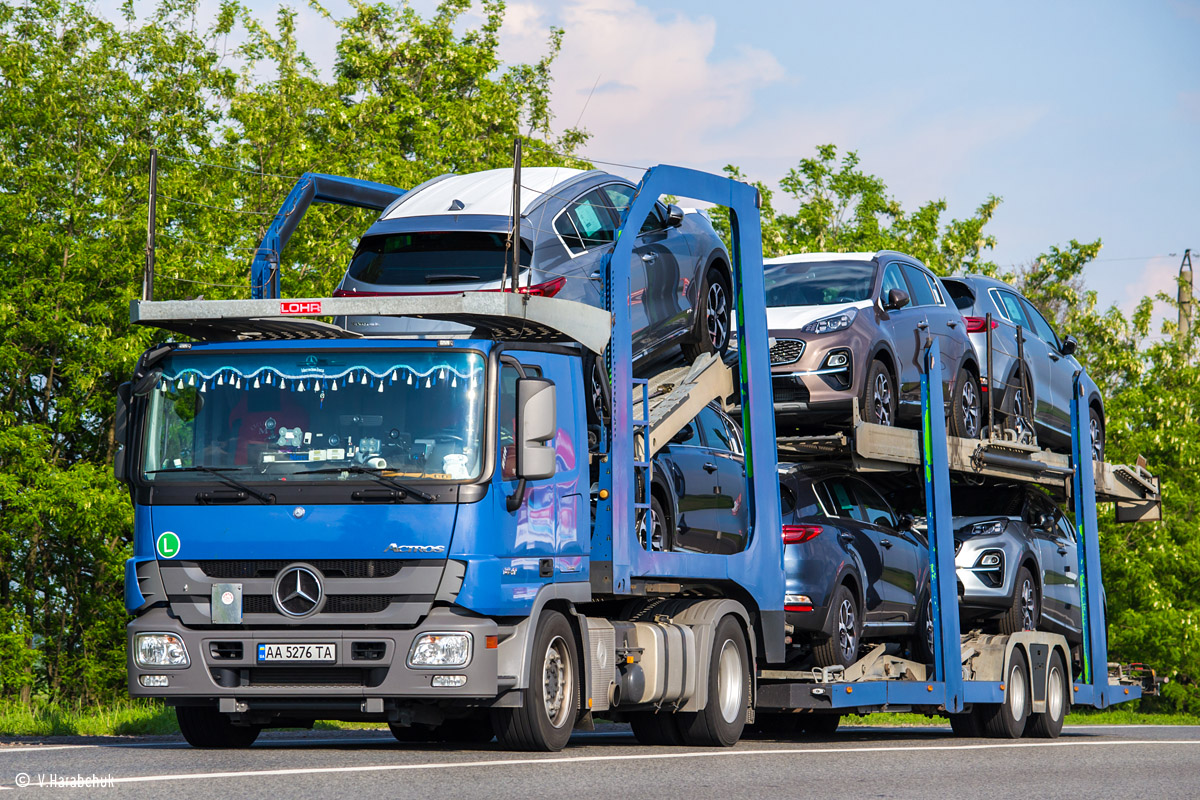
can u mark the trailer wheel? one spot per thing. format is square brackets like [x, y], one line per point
[656, 729]
[1048, 725]
[209, 729]
[721, 721]
[545, 720]
[1007, 720]
[966, 725]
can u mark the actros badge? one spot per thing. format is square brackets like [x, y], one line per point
[414, 548]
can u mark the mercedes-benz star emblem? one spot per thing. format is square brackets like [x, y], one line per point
[298, 591]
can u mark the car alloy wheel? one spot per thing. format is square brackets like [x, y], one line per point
[929, 625]
[1028, 605]
[1097, 437]
[881, 396]
[717, 317]
[847, 638]
[1020, 420]
[969, 399]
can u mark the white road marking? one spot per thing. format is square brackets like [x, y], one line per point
[553, 761]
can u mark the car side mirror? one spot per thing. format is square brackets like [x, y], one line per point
[906, 522]
[674, 216]
[896, 299]
[121, 429]
[1043, 521]
[683, 434]
[1069, 345]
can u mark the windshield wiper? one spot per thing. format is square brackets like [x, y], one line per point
[404, 489]
[219, 474]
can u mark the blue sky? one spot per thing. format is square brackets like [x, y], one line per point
[1083, 117]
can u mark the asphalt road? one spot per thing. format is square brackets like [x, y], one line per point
[1088, 761]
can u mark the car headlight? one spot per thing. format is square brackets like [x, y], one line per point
[836, 322]
[993, 527]
[440, 650]
[160, 650]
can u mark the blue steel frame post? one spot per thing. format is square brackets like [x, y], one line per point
[943, 584]
[1095, 640]
[311, 188]
[615, 539]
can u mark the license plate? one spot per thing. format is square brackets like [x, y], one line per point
[297, 652]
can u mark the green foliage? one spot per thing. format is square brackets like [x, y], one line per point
[83, 101]
[122, 718]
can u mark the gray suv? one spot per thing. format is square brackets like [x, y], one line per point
[1037, 394]
[451, 234]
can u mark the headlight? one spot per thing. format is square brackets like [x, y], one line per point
[833, 323]
[993, 527]
[160, 650]
[440, 650]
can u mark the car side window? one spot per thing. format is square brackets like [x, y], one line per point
[1010, 307]
[1040, 326]
[594, 224]
[716, 435]
[936, 286]
[569, 233]
[620, 196]
[842, 501]
[1065, 526]
[735, 436]
[691, 433]
[892, 279]
[922, 293]
[876, 509]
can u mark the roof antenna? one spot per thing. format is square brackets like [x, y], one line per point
[516, 213]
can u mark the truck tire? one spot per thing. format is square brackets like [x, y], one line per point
[209, 729]
[841, 645]
[721, 721]
[1024, 611]
[1048, 724]
[547, 717]
[966, 725]
[656, 729]
[1007, 720]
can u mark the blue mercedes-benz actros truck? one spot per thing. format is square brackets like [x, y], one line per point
[429, 532]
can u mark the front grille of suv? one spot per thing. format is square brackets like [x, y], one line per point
[789, 391]
[786, 351]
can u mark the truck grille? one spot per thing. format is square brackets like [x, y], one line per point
[345, 568]
[334, 603]
[786, 351]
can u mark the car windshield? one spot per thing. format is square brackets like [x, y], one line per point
[822, 283]
[421, 259]
[408, 415]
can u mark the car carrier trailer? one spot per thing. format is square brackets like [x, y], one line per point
[527, 605]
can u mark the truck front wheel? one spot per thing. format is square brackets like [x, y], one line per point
[209, 729]
[723, 718]
[546, 718]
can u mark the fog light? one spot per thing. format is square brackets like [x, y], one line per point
[153, 680]
[440, 650]
[838, 360]
[990, 560]
[444, 681]
[160, 650]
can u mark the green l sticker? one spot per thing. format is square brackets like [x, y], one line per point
[168, 545]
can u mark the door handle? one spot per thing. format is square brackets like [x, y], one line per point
[951, 324]
[596, 276]
[710, 467]
[1054, 356]
[845, 537]
[923, 326]
[1062, 551]
[887, 543]
[649, 257]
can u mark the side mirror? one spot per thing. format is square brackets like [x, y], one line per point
[683, 434]
[896, 299]
[1069, 345]
[674, 216]
[536, 425]
[906, 521]
[1043, 521]
[121, 429]
[145, 384]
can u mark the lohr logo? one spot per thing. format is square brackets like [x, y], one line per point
[414, 548]
[300, 307]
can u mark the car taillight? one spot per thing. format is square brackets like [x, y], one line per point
[798, 534]
[547, 289]
[977, 324]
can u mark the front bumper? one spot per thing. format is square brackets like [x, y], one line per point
[214, 674]
[979, 592]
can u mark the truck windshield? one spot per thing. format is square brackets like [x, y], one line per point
[823, 283]
[410, 415]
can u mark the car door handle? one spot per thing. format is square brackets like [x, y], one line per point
[710, 467]
[846, 537]
[1054, 356]
[951, 324]
[596, 276]
[649, 258]
[887, 543]
[923, 326]
[1062, 551]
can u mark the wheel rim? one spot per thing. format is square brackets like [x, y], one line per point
[729, 681]
[847, 636]
[717, 316]
[597, 392]
[970, 409]
[556, 682]
[1028, 605]
[1020, 425]
[929, 624]
[1097, 441]
[1016, 691]
[656, 529]
[881, 396]
[1054, 702]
